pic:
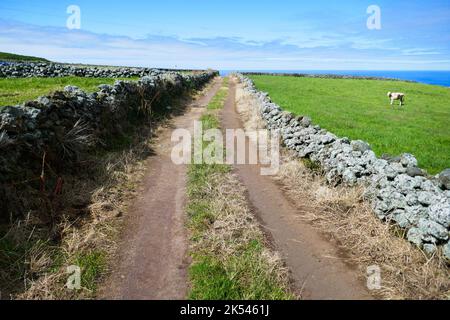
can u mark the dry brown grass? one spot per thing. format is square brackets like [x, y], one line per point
[407, 272]
[341, 213]
[96, 231]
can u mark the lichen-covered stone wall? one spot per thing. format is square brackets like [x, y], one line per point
[53, 131]
[399, 190]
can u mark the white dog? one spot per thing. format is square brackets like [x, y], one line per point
[396, 96]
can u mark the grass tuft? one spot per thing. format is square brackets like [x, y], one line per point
[93, 265]
[230, 259]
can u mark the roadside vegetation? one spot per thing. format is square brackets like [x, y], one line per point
[360, 109]
[231, 259]
[11, 57]
[219, 99]
[15, 91]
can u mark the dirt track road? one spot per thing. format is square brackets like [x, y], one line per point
[314, 262]
[153, 258]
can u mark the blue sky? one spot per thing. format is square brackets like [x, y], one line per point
[269, 35]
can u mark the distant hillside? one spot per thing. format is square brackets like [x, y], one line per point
[4, 56]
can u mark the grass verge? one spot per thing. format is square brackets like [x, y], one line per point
[35, 253]
[231, 260]
[5, 56]
[360, 109]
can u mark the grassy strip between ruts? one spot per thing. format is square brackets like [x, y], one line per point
[341, 214]
[230, 258]
[14, 91]
[219, 99]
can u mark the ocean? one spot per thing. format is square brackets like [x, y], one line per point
[441, 78]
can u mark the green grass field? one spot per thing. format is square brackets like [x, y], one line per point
[360, 109]
[15, 91]
[5, 56]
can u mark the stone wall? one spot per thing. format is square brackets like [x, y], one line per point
[54, 70]
[60, 127]
[400, 192]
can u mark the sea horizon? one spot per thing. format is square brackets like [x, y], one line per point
[433, 77]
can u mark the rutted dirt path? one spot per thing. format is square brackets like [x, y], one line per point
[153, 259]
[317, 270]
